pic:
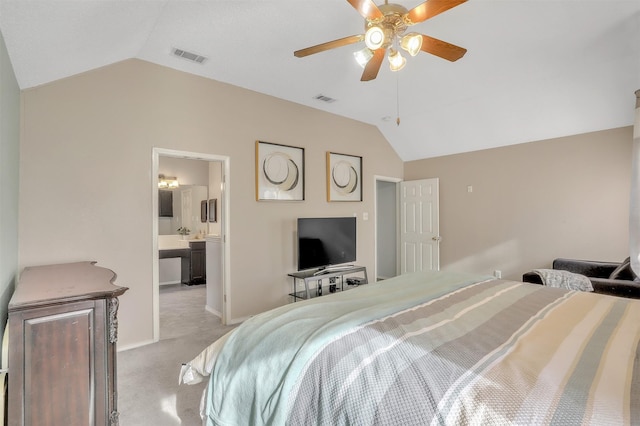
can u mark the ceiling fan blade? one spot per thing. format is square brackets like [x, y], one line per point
[429, 9]
[373, 66]
[367, 8]
[328, 45]
[440, 48]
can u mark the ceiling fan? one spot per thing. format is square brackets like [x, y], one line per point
[385, 28]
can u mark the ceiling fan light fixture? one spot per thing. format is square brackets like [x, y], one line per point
[374, 38]
[396, 60]
[386, 29]
[363, 56]
[411, 43]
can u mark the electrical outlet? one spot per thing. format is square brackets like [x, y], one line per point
[497, 273]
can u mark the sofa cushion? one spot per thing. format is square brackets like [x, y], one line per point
[624, 272]
[621, 288]
[588, 268]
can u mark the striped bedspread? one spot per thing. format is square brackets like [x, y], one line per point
[463, 351]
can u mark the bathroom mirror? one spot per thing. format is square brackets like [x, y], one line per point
[186, 211]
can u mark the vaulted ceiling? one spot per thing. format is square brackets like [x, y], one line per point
[534, 69]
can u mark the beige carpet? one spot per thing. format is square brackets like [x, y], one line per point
[148, 391]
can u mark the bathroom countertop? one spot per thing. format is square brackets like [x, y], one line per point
[172, 242]
[176, 242]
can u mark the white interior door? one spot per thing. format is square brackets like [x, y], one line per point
[419, 226]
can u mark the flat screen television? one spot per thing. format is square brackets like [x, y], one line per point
[326, 241]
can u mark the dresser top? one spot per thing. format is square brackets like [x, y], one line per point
[62, 283]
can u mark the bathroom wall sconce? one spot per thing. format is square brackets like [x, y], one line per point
[167, 182]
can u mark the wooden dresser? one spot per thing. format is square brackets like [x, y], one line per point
[62, 346]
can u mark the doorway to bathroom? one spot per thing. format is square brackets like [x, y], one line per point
[190, 228]
[386, 227]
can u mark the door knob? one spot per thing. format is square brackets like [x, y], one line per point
[437, 238]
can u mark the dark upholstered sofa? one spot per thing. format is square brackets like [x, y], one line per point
[616, 279]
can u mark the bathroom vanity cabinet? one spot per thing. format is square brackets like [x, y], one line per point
[165, 203]
[198, 268]
[63, 330]
[193, 269]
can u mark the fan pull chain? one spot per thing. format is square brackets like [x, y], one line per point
[397, 99]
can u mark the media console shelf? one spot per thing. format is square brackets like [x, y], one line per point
[323, 281]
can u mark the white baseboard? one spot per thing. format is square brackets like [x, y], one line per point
[235, 321]
[212, 311]
[135, 345]
[219, 315]
[170, 282]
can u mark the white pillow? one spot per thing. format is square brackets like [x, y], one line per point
[198, 368]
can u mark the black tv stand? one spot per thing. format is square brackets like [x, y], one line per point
[335, 274]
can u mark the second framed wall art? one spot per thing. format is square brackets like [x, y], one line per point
[344, 177]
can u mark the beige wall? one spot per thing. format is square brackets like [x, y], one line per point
[86, 183]
[534, 202]
[9, 166]
[188, 172]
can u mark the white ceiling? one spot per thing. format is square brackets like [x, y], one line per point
[534, 69]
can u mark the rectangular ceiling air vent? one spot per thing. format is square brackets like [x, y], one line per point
[324, 98]
[190, 56]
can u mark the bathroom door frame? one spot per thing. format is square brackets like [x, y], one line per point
[225, 229]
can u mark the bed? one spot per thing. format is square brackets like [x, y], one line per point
[430, 348]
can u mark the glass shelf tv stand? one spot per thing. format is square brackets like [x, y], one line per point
[314, 282]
